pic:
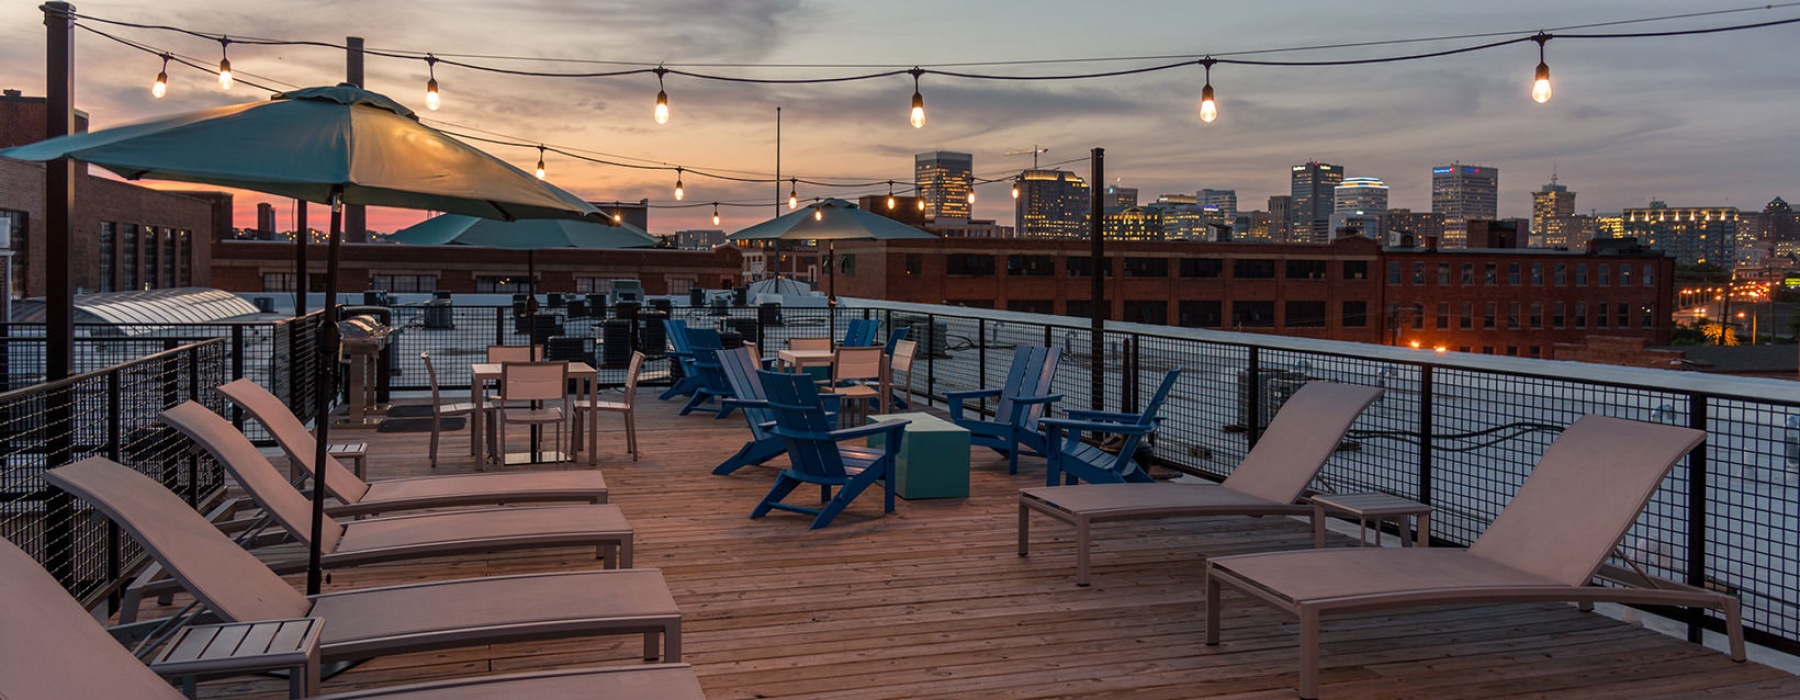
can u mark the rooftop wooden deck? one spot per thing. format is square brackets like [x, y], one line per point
[933, 602]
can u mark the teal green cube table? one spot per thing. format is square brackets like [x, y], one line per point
[934, 457]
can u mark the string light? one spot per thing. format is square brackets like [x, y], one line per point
[971, 196]
[224, 64]
[918, 103]
[793, 193]
[890, 201]
[432, 101]
[540, 168]
[617, 217]
[679, 193]
[161, 86]
[1209, 109]
[1540, 86]
[818, 213]
[662, 97]
[921, 201]
[715, 213]
[1015, 188]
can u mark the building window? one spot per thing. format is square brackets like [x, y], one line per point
[915, 264]
[1200, 314]
[1557, 316]
[1468, 316]
[1581, 314]
[1512, 274]
[1031, 306]
[1258, 269]
[1306, 269]
[1624, 274]
[404, 283]
[1648, 318]
[1537, 274]
[1418, 277]
[593, 285]
[969, 265]
[1147, 267]
[1537, 315]
[128, 243]
[1079, 308]
[278, 281]
[1393, 274]
[1601, 318]
[171, 245]
[1490, 275]
[1624, 311]
[1418, 316]
[680, 285]
[1512, 316]
[109, 264]
[1083, 266]
[1156, 312]
[846, 267]
[1468, 274]
[1356, 315]
[1649, 274]
[1304, 314]
[1562, 274]
[504, 284]
[1487, 315]
[1602, 275]
[1356, 269]
[1581, 274]
[1202, 267]
[1030, 266]
[1253, 314]
[1443, 316]
[185, 261]
[1443, 274]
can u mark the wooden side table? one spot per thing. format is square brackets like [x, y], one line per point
[355, 452]
[204, 651]
[1376, 507]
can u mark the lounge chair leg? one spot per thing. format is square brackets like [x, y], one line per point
[1024, 530]
[652, 645]
[1212, 608]
[672, 643]
[625, 553]
[1734, 628]
[1081, 551]
[1318, 523]
[1309, 653]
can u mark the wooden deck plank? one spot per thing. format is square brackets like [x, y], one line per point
[933, 602]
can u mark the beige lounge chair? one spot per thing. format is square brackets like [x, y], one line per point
[1270, 480]
[1549, 544]
[231, 584]
[51, 648]
[358, 497]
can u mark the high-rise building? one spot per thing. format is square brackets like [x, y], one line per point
[1281, 218]
[1694, 235]
[1366, 194]
[1117, 196]
[1051, 204]
[1225, 200]
[699, 238]
[1132, 224]
[1463, 192]
[1418, 224]
[1552, 212]
[944, 179]
[1252, 225]
[1181, 218]
[1313, 185]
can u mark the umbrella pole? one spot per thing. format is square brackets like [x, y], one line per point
[831, 270]
[326, 387]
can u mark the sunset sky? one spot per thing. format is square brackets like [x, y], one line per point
[1697, 120]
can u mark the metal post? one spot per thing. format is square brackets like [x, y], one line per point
[1425, 417]
[355, 220]
[193, 456]
[499, 325]
[59, 199]
[237, 371]
[981, 352]
[930, 359]
[1252, 368]
[1696, 496]
[1097, 285]
[301, 238]
[327, 373]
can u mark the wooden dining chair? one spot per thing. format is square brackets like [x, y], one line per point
[439, 409]
[592, 408]
[809, 343]
[901, 360]
[856, 377]
[534, 393]
[515, 353]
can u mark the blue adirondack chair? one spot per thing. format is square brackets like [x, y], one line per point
[676, 330]
[816, 454]
[704, 343]
[861, 333]
[740, 368]
[1023, 401]
[1073, 459]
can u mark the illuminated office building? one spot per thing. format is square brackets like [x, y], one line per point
[944, 179]
[1552, 216]
[1051, 204]
[1117, 196]
[1225, 200]
[1694, 235]
[1133, 224]
[1313, 185]
[1460, 193]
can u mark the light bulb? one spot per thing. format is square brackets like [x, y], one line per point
[890, 201]
[679, 192]
[818, 214]
[540, 167]
[1209, 110]
[432, 101]
[1015, 190]
[715, 215]
[1540, 88]
[662, 107]
[161, 86]
[921, 204]
[617, 217]
[793, 194]
[225, 73]
[918, 111]
[971, 196]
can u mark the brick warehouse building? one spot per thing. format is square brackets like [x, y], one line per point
[132, 237]
[1510, 301]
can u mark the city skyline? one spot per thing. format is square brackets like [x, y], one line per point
[1612, 132]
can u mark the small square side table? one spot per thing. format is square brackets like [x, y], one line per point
[205, 651]
[1376, 507]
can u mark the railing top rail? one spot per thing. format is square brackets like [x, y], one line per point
[84, 376]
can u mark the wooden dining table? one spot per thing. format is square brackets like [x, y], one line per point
[483, 373]
[798, 360]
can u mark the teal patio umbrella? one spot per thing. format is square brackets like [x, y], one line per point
[829, 220]
[525, 234]
[334, 145]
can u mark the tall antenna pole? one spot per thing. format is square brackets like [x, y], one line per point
[776, 256]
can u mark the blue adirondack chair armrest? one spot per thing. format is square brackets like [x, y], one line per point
[1020, 403]
[842, 434]
[956, 399]
[1108, 416]
[1077, 427]
[744, 403]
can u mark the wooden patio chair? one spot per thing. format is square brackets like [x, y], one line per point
[856, 377]
[1023, 402]
[1074, 459]
[232, 585]
[900, 359]
[816, 453]
[1550, 543]
[439, 409]
[357, 497]
[626, 406]
[1269, 481]
[534, 394]
[50, 647]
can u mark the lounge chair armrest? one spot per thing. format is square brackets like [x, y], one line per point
[1111, 416]
[1096, 426]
